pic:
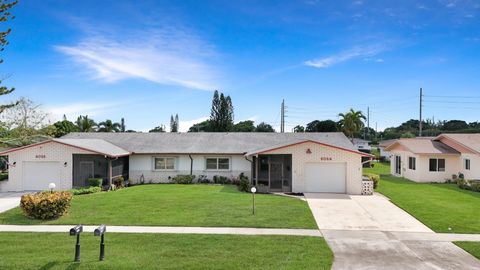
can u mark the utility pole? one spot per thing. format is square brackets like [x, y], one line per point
[282, 117]
[368, 122]
[421, 105]
[376, 131]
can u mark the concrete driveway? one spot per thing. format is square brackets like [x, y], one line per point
[9, 200]
[370, 232]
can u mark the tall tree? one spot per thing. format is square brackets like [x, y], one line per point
[122, 125]
[298, 129]
[109, 126]
[351, 122]
[64, 127]
[205, 126]
[321, 126]
[5, 15]
[264, 127]
[221, 114]
[86, 124]
[244, 126]
[174, 123]
[160, 128]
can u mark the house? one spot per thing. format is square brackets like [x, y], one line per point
[362, 145]
[385, 155]
[280, 162]
[436, 159]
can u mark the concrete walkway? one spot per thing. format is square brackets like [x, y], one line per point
[162, 229]
[370, 232]
[9, 200]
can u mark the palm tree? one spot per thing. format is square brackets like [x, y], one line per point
[86, 124]
[109, 126]
[351, 122]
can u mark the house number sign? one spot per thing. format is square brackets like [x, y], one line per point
[326, 159]
[40, 156]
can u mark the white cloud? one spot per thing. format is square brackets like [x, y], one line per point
[165, 56]
[183, 126]
[73, 110]
[356, 52]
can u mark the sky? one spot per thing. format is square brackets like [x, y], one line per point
[146, 60]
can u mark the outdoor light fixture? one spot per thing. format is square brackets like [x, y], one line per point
[52, 186]
[253, 190]
[100, 231]
[75, 231]
[65, 164]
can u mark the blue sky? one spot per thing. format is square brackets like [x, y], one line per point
[146, 60]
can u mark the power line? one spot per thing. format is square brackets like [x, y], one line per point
[452, 96]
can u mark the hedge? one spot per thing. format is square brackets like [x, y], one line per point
[85, 190]
[46, 205]
[95, 182]
[3, 176]
[183, 179]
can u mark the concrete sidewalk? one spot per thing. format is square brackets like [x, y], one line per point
[9, 200]
[162, 229]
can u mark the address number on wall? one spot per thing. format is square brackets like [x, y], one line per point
[40, 156]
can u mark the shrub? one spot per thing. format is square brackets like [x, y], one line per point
[463, 184]
[119, 182]
[475, 186]
[3, 176]
[218, 179]
[183, 179]
[244, 185]
[373, 177]
[202, 179]
[85, 190]
[46, 205]
[95, 182]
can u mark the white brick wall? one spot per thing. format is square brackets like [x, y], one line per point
[319, 152]
[50, 151]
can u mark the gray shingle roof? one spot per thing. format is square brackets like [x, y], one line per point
[209, 143]
[96, 145]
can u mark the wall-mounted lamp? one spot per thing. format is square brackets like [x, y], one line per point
[14, 163]
[65, 164]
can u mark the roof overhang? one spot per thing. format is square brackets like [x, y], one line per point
[95, 151]
[276, 147]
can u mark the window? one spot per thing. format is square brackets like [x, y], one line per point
[164, 163]
[437, 165]
[217, 163]
[467, 164]
[412, 163]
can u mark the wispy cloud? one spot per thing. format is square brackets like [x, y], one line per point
[183, 126]
[171, 56]
[72, 110]
[356, 52]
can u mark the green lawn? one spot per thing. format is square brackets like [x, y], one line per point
[470, 247]
[439, 206]
[164, 251]
[180, 205]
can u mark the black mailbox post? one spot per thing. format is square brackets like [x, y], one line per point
[75, 231]
[100, 231]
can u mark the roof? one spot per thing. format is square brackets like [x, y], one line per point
[93, 145]
[386, 143]
[423, 146]
[468, 140]
[211, 143]
[358, 140]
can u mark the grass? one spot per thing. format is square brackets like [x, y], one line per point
[439, 206]
[164, 251]
[470, 247]
[180, 205]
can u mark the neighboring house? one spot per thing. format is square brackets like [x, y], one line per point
[362, 145]
[436, 159]
[385, 155]
[283, 162]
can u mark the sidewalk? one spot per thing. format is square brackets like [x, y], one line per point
[161, 229]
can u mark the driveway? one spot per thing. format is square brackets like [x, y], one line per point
[370, 232]
[9, 200]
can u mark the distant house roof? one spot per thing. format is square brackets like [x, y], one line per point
[358, 140]
[386, 143]
[468, 140]
[92, 145]
[211, 143]
[423, 146]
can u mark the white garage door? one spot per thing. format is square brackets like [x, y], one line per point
[325, 177]
[38, 174]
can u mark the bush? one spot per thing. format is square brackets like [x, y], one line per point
[373, 177]
[183, 179]
[202, 179]
[119, 182]
[3, 176]
[463, 184]
[244, 185]
[473, 185]
[95, 182]
[46, 205]
[85, 190]
[218, 179]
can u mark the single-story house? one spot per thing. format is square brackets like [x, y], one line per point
[385, 155]
[362, 145]
[280, 162]
[436, 159]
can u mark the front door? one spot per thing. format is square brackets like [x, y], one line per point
[276, 176]
[398, 165]
[86, 171]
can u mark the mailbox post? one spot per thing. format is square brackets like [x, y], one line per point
[76, 231]
[253, 190]
[100, 231]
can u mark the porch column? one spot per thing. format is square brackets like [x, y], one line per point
[256, 170]
[110, 172]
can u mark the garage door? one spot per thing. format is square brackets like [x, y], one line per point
[325, 177]
[37, 175]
